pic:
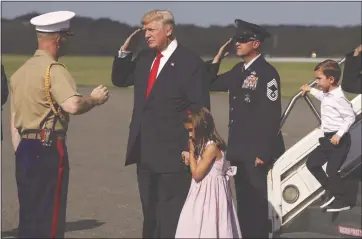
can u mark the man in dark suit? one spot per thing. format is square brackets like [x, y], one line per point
[352, 73]
[4, 93]
[255, 113]
[168, 78]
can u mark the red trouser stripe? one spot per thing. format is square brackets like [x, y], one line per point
[58, 190]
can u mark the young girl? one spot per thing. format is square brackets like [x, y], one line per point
[208, 211]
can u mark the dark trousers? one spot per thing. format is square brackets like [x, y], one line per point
[335, 155]
[162, 197]
[252, 199]
[42, 175]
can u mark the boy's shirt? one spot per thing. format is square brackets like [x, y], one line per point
[336, 111]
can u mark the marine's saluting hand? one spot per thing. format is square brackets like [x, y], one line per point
[100, 95]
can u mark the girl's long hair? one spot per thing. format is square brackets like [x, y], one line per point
[204, 128]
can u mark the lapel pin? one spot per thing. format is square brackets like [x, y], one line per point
[172, 64]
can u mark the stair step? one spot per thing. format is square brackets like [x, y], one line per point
[315, 220]
[305, 235]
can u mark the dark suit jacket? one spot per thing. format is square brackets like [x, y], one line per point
[4, 86]
[352, 74]
[157, 136]
[255, 112]
[4, 93]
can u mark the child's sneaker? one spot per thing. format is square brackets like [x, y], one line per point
[328, 199]
[338, 206]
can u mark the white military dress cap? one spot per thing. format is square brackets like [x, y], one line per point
[53, 21]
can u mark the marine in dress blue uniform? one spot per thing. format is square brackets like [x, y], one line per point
[254, 123]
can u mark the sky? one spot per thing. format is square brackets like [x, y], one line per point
[204, 13]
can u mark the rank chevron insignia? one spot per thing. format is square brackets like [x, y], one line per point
[272, 90]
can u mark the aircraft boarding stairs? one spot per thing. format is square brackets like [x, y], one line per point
[294, 193]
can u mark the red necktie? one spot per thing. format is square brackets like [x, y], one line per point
[153, 74]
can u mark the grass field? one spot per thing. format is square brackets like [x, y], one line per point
[90, 71]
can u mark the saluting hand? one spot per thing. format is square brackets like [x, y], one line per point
[100, 95]
[305, 88]
[223, 51]
[358, 50]
[128, 40]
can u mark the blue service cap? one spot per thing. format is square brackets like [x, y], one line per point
[250, 31]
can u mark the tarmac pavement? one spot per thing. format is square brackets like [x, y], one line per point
[103, 199]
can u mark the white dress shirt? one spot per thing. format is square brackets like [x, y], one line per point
[166, 54]
[336, 111]
[251, 62]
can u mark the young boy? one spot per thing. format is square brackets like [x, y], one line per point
[337, 117]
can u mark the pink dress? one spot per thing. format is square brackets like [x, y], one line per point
[209, 211]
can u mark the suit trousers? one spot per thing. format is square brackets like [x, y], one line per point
[334, 156]
[42, 175]
[252, 199]
[162, 197]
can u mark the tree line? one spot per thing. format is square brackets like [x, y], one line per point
[103, 37]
